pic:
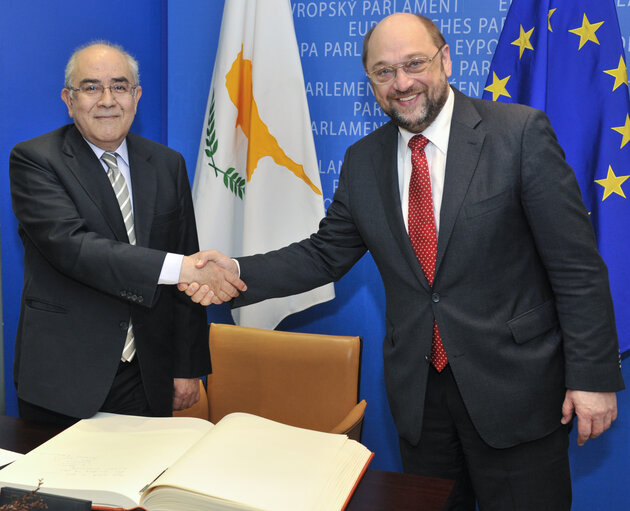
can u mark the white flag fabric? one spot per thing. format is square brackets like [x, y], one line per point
[257, 185]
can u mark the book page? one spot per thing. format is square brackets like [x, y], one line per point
[7, 457]
[262, 464]
[105, 454]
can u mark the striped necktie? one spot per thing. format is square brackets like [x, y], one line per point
[122, 195]
[422, 231]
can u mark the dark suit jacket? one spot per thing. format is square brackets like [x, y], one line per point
[83, 281]
[520, 294]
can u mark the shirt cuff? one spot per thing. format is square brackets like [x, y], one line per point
[238, 267]
[171, 269]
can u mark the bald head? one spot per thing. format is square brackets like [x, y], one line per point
[395, 23]
[100, 46]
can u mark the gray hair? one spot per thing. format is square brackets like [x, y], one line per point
[131, 61]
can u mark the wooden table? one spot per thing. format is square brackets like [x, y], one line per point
[379, 490]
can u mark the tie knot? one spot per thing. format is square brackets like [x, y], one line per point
[418, 142]
[110, 160]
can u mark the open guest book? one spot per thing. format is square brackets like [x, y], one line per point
[244, 462]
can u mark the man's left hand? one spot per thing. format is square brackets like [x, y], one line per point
[186, 392]
[595, 412]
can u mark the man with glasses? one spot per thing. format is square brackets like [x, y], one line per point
[105, 217]
[500, 326]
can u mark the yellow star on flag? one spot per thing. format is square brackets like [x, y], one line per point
[497, 87]
[624, 130]
[612, 184]
[549, 14]
[587, 31]
[523, 41]
[620, 74]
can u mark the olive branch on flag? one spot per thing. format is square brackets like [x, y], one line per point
[231, 179]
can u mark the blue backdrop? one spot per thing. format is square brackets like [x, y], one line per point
[175, 42]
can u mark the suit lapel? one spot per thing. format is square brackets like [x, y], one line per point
[464, 148]
[143, 179]
[88, 171]
[385, 160]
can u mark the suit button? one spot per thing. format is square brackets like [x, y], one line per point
[435, 297]
[133, 298]
[123, 293]
[140, 299]
[123, 325]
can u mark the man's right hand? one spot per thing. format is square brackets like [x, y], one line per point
[210, 277]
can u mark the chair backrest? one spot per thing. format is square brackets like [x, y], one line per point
[305, 380]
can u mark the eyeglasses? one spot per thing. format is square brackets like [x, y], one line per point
[96, 90]
[414, 66]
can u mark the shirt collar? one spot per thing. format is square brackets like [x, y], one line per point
[438, 131]
[121, 151]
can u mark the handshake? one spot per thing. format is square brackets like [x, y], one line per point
[210, 277]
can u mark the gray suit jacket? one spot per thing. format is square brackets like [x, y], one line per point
[83, 281]
[520, 294]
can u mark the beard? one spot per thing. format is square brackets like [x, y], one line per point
[429, 111]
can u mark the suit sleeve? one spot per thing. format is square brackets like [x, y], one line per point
[324, 257]
[50, 220]
[566, 242]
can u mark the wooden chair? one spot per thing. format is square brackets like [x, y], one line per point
[305, 380]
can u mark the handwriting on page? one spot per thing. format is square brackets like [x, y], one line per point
[76, 466]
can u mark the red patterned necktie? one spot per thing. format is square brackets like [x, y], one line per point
[422, 230]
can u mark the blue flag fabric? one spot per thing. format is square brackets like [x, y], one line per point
[567, 58]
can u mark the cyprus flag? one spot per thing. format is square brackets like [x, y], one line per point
[257, 184]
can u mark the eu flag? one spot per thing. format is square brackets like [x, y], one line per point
[566, 58]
